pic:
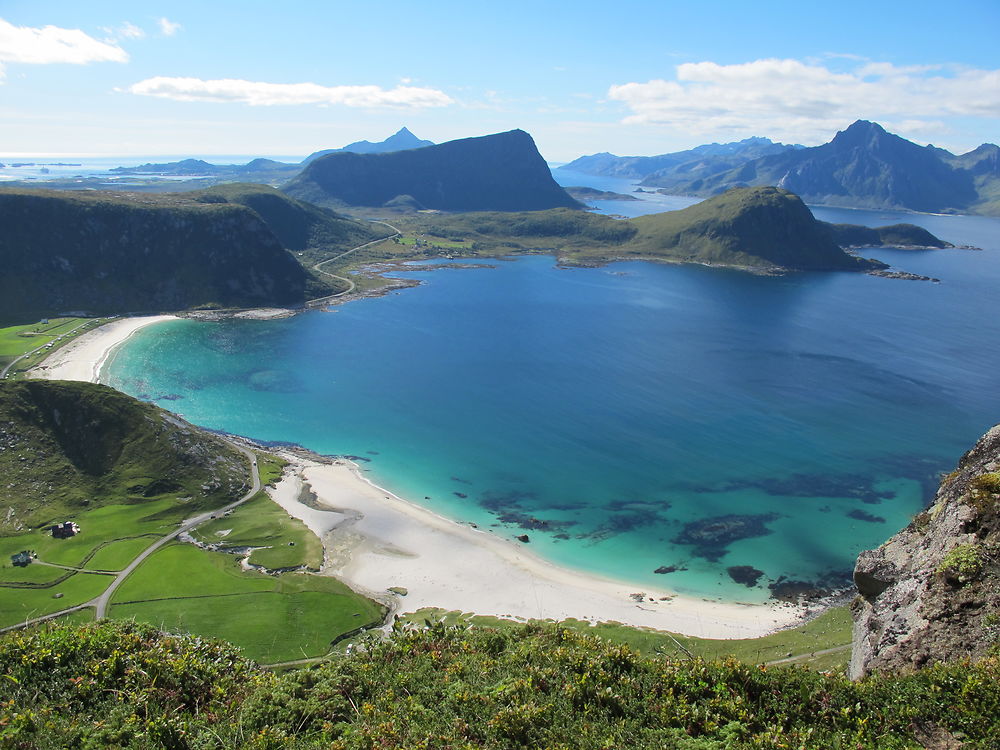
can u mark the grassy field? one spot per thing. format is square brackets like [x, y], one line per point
[830, 630]
[271, 618]
[97, 527]
[270, 468]
[116, 555]
[260, 522]
[17, 340]
[18, 605]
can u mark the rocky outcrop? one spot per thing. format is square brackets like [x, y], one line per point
[932, 592]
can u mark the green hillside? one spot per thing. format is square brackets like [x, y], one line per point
[750, 227]
[297, 225]
[74, 447]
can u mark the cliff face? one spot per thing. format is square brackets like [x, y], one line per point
[122, 252]
[500, 172]
[932, 592]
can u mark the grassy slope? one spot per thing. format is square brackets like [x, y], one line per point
[271, 618]
[70, 447]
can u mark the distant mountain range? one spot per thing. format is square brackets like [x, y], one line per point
[259, 170]
[401, 140]
[863, 167]
[499, 172]
[709, 157]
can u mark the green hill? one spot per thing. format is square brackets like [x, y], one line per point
[297, 225]
[499, 172]
[69, 447]
[752, 227]
[111, 252]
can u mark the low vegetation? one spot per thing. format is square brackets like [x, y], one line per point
[126, 685]
[821, 644]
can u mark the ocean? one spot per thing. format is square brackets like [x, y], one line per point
[720, 434]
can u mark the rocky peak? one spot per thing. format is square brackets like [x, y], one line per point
[932, 592]
[860, 134]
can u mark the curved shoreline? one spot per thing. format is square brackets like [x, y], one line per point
[375, 540]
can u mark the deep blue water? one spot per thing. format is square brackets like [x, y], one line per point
[634, 417]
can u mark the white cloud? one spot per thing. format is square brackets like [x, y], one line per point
[168, 27]
[51, 44]
[258, 93]
[127, 30]
[792, 100]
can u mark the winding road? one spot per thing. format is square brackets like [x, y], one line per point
[350, 282]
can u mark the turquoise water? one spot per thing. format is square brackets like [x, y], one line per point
[630, 418]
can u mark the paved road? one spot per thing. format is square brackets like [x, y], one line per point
[101, 602]
[351, 285]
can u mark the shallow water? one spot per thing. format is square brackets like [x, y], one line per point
[629, 418]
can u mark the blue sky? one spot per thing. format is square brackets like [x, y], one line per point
[266, 78]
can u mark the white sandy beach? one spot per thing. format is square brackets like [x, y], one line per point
[375, 540]
[83, 358]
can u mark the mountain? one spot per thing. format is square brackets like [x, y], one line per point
[296, 224]
[710, 156]
[112, 252]
[66, 447]
[500, 172]
[932, 592]
[401, 140]
[762, 228]
[863, 166]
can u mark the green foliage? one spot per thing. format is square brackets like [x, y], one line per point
[117, 685]
[989, 482]
[830, 631]
[962, 563]
[122, 684]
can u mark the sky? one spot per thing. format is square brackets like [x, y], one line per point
[253, 78]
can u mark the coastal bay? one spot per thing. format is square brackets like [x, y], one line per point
[376, 541]
[657, 425]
